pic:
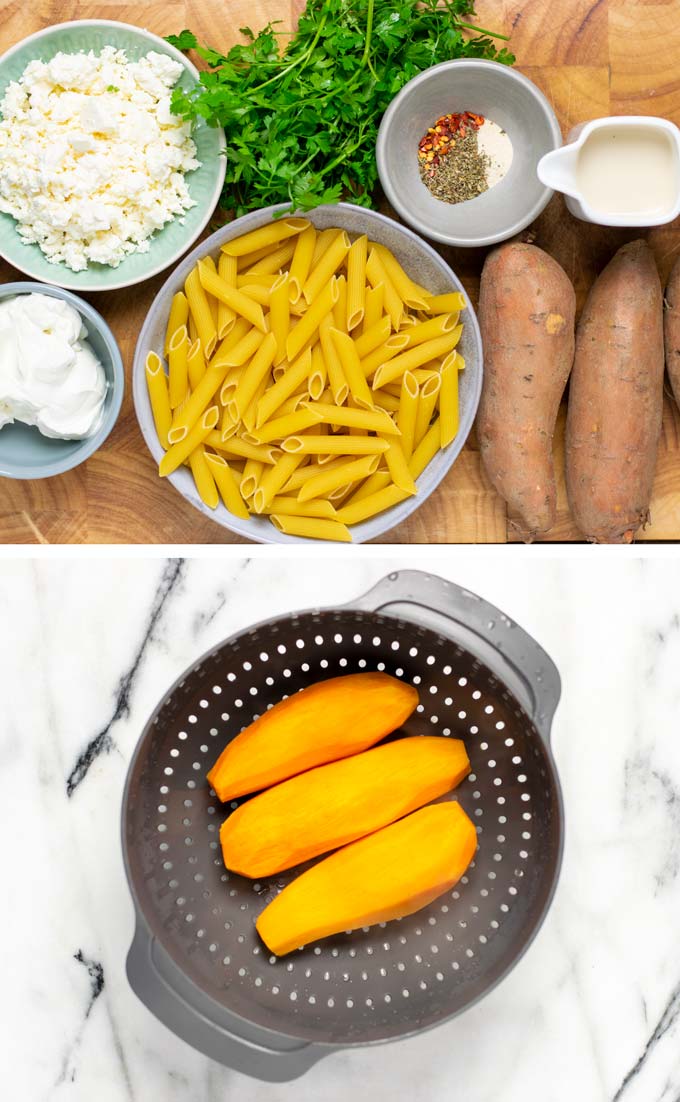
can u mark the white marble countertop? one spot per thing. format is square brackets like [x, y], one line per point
[592, 1012]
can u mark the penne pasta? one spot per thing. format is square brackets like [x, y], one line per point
[408, 412]
[336, 376]
[340, 308]
[199, 308]
[327, 266]
[324, 240]
[311, 528]
[283, 388]
[249, 417]
[239, 302]
[226, 481]
[243, 448]
[413, 357]
[272, 262]
[375, 274]
[372, 338]
[292, 507]
[178, 452]
[374, 305]
[351, 369]
[195, 364]
[281, 427]
[309, 324]
[203, 477]
[226, 270]
[252, 473]
[448, 403]
[429, 393]
[273, 479]
[426, 450]
[356, 282]
[429, 330]
[279, 315]
[257, 293]
[178, 316]
[392, 347]
[377, 481]
[445, 304]
[310, 470]
[356, 512]
[157, 385]
[398, 467]
[200, 397]
[332, 478]
[317, 444]
[301, 263]
[346, 417]
[178, 375]
[255, 373]
[408, 291]
[318, 374]
[271, 234]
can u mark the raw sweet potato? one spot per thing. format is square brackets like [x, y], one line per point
[526, 314]
[616, 399]
[671, 325]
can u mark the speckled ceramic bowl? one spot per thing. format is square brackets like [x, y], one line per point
[499, 93]
[420, 261]
[204, 184]
[24, 451]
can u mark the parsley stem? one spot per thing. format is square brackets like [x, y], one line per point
[481, 30]
[299, 60]
[366, 59]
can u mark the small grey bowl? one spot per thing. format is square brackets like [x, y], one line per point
[24, 451]
[420, 261]
[500, 94]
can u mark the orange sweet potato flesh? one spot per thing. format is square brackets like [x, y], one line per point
[389, 874]
[616, 399]
[671, 321]
[324, 722]
[526, 315]
[334, 804]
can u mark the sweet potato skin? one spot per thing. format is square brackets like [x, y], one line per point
[671, 328]
[616, 399]
[526, 315]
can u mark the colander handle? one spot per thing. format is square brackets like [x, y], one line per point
[478, 626]
[205, 1025]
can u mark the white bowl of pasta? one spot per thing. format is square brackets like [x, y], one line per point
[308, 378]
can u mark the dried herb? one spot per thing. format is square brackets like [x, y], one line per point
[301, 122]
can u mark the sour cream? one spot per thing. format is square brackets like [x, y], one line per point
[49, 375]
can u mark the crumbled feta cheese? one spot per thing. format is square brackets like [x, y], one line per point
[92, 160]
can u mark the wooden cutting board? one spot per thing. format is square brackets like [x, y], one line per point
[590, 57]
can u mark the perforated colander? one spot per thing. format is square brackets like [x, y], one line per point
[196, 960]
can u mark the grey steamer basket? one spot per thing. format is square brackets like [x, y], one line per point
[196, 960]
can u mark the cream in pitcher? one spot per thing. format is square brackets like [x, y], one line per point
[618, 171]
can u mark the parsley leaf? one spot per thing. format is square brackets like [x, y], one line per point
[301, 112]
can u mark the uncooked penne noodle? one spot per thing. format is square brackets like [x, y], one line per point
[372, 338]
[445, 304]
[374, 303]
[227, 484]
[178, 316]
[408, 413]
[428, 330]
[340, 308]
[238, 330]
[212, 302]
[199, 307]
[244, 349]
[426, 450]
[237, 446]
[193, 331]
[282, 427]
[273, 479]
[157, 385]
[310, 470]
[177, 453]
[273, 261]
[195, 364]
[398, 467]
[255, 371]
[377, 481]
[178, 375]
[318, 375]
[448, 403]
[231, 382]
[203, 477]
[309, 323]
[413, 357]
[249, 418]
[271, 234]
[355, 512]
[238, 301]
[336, 376]
[292, 507]
[387, 401]
[311, 528]
[407, 322]
[226, 270]
[300, 265]
[252, 473]
[283, 388]
[328, 264]
[351, 369]
[356, 282]
[369, 420]
[344, 474]
[279, 315]
[257, 293]
[375, 274]
[324, 240]
[201, 396]
[177, 431]
[408, 291]
[254, 279]
[318, 444]
[429, 393]
[392, 347]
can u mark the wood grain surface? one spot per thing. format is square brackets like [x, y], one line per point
[591, 58]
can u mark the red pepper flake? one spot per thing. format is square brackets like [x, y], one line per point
[440, 139]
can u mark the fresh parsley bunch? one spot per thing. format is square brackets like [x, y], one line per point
[301, 119]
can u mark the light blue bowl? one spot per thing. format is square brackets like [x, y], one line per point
[24, 451]
[204, 184]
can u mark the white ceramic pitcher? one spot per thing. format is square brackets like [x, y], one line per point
[558, 170]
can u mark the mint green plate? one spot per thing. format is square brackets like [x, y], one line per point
[205, 183]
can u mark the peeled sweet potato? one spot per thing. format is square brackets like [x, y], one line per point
[526, 315]
[324, 722]
[671, 324]
[616, 399]
[389, 874]
[328, 807]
